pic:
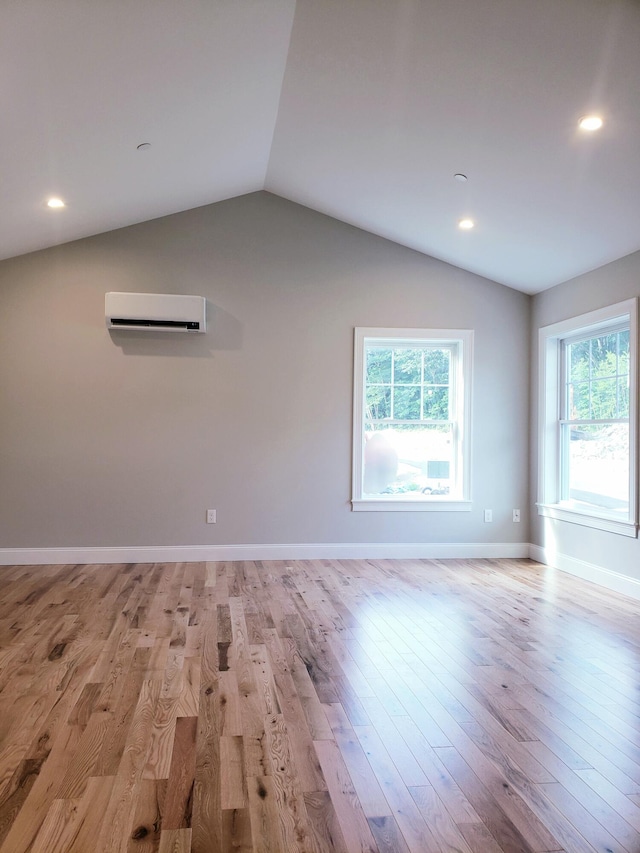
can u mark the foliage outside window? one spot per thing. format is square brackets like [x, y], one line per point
[411, 412]
[588, 429]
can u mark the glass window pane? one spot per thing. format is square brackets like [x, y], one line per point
[436, 403]
[623, 397]
[437, 366]
[623, 343]
[412, 461]
[603, 356]
[378, 402]
[578, 361]
[406, 403]
[598, 465]
[407, 366]
[378, 365]
[623, 364]
[578, 401]
[603, 398]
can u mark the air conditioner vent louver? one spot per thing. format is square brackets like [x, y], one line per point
[123, 322]
[155, 312]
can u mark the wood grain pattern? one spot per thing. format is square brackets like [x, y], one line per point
[321, 706]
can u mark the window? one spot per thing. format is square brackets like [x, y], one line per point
[588, 422]
[412, 407]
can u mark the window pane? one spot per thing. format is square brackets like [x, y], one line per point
[598, 465]
[412, 460]
[378, 402]
[603, 356]
[578, 401]
[406, 403]
[623, 397]
[436, 366]
[579, 361]
[378, 365]
[623, 355]
[407, 366]
[436, 403]
[603, 398]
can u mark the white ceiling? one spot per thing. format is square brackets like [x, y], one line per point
[362, 109]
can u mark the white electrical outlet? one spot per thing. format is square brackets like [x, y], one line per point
[516, 515]
[488, 515]
[211, 516]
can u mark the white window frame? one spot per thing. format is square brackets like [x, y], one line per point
[462, 341]
[550, 373]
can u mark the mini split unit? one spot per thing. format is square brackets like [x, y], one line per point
[150, 312]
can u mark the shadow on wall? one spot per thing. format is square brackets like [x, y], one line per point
[224, 332]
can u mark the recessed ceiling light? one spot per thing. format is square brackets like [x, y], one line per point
[55, 202]
[460, 177]
[466, 224]
[590, 123]
[144, 146]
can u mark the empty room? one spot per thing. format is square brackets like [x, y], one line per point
[318, 426]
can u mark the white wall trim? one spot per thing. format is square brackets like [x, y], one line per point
[587, 571]
[306, 551]
[460, 342]
[587, 519]
[550, 413]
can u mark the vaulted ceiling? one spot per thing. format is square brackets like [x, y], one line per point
[361, 109]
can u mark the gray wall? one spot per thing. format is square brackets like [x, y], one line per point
[126, 439]
[605, 286]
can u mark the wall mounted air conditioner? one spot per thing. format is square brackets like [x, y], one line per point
[150, 312]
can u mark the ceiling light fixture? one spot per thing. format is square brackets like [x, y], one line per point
[590, 123]
[460, 177]
[55, 203]
[466, 224]
[144, 146]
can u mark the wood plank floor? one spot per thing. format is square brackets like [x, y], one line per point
[349, 706]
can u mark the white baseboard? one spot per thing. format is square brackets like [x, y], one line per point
[331, 551]
[212, 553]
[587, 571]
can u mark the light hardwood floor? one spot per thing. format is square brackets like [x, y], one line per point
[391, 706]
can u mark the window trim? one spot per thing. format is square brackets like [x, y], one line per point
[463, 338]
[550, 339]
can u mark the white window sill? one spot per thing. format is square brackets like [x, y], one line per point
[404, 505]
[574, 515]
